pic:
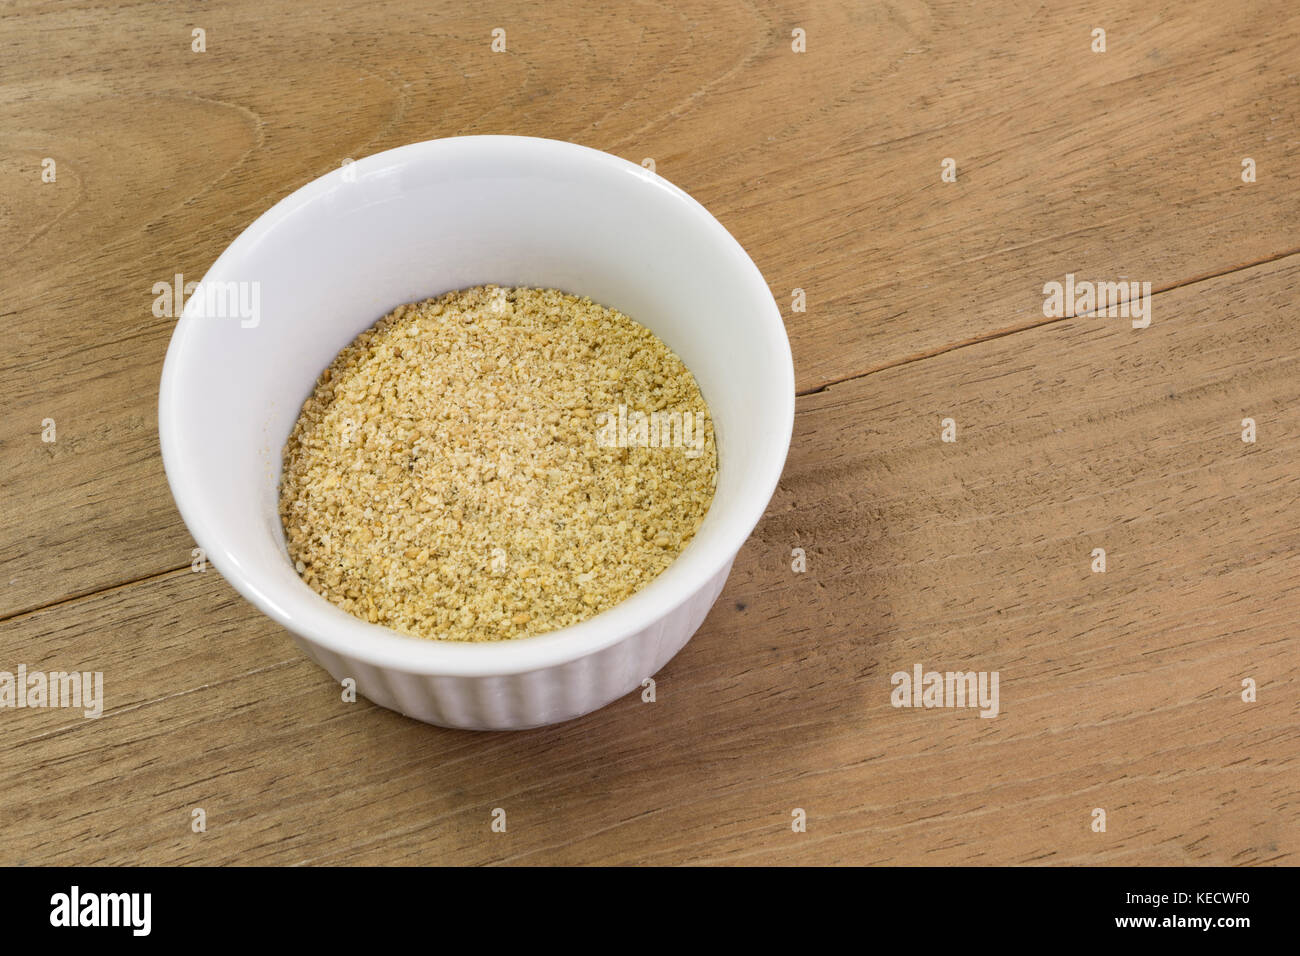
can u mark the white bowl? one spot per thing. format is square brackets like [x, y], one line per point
[402, 225]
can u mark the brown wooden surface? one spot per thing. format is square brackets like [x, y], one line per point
[1119, 690]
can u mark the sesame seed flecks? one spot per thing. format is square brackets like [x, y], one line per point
[465, 469]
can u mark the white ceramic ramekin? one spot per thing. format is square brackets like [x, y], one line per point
[329, 260]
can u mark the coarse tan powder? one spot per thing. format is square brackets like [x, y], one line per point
[496, 463]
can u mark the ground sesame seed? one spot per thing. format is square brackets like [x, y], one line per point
[446, 477]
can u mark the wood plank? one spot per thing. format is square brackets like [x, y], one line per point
[1119, 690]
[824, 164]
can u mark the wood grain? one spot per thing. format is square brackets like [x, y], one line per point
[1120, 690]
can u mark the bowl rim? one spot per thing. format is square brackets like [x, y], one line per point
[321, 623]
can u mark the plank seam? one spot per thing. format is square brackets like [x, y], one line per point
[1003, 333]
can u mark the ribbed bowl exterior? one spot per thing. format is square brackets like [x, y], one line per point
[449, 214]
[533, 698]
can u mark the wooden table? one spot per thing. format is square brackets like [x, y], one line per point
[1120, 690]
